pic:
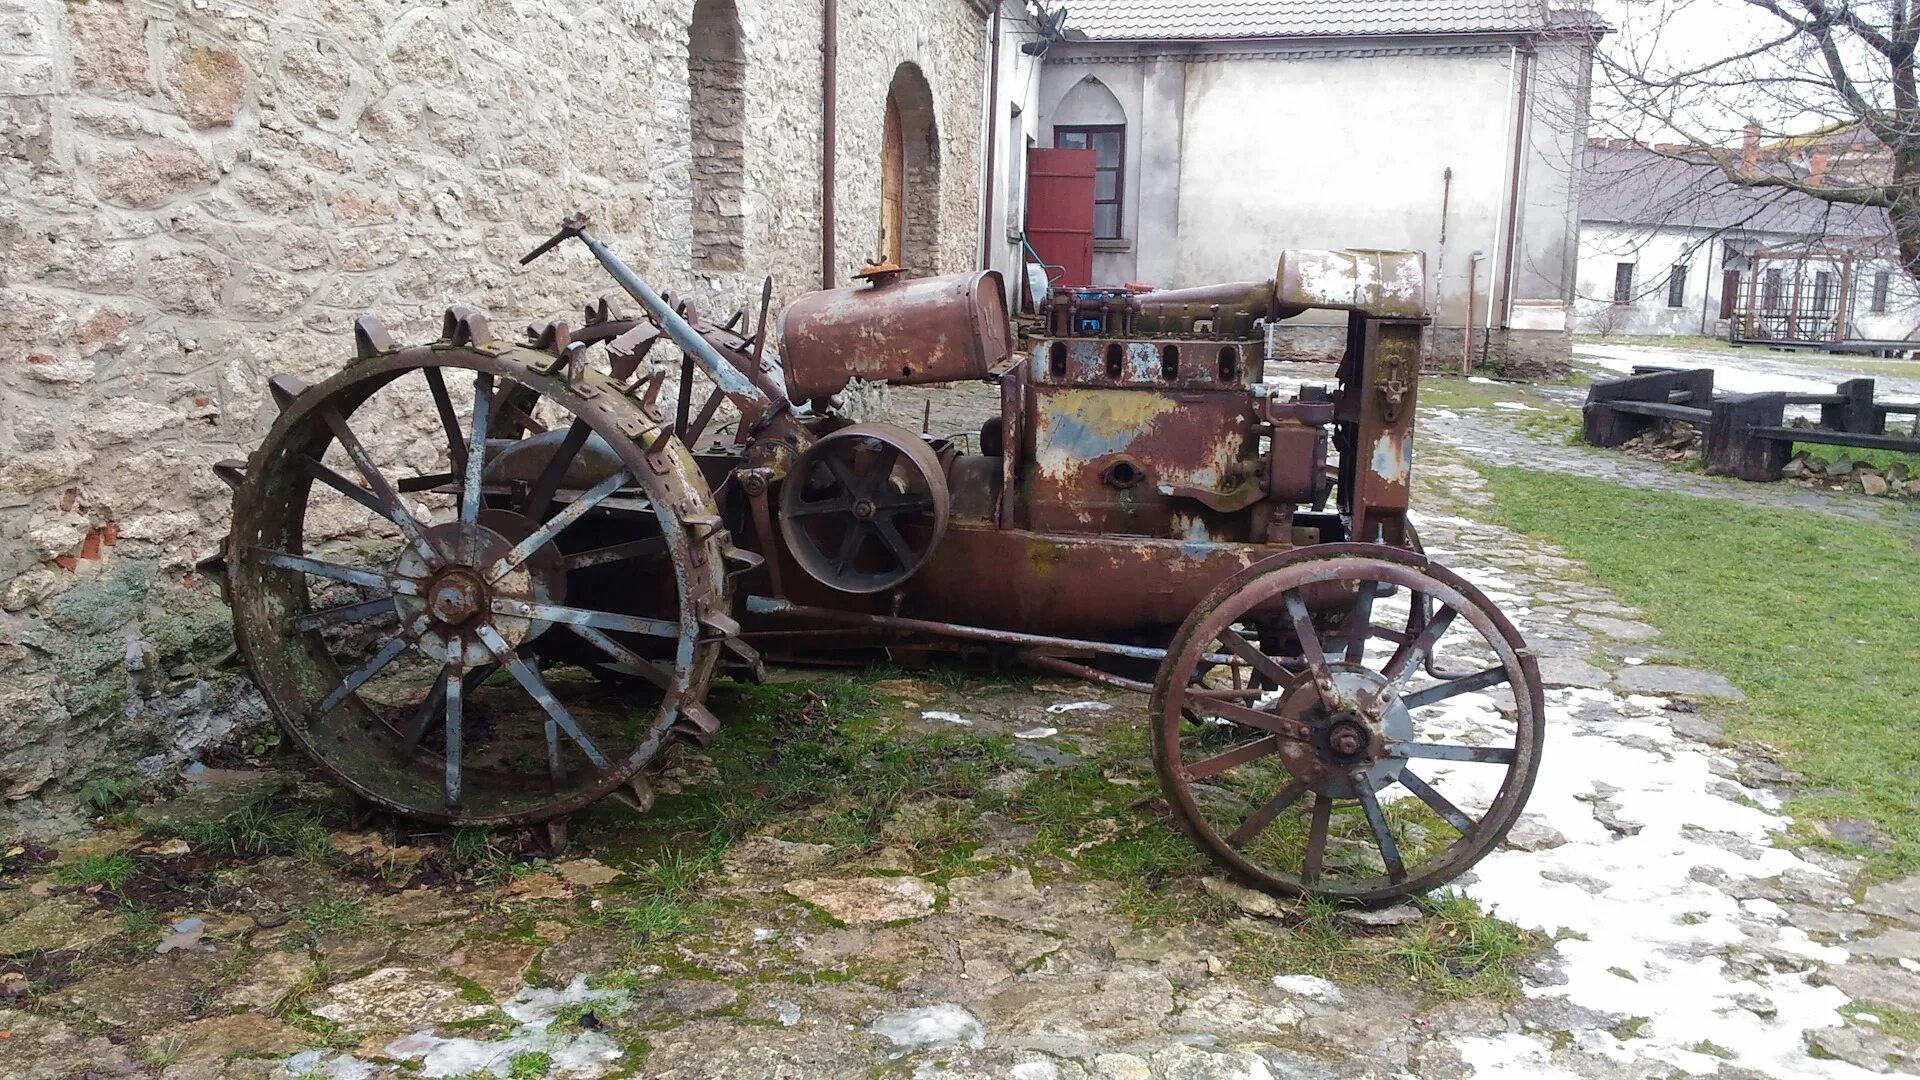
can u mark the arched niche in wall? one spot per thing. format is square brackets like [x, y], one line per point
[910, 174]
[716, 86]
[1089, 117]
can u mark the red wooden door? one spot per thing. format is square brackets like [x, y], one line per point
[1060, 212]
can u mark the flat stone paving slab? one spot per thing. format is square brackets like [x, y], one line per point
[1666, 679]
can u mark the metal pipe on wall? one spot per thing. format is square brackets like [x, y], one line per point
[829, 131]
[993, 127]
[1503, 292]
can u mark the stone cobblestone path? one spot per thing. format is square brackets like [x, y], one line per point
[969, 932]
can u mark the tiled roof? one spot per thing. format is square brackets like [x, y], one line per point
[1635, 186]
[1136, 20]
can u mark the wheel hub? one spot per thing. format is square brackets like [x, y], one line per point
[864, 509]
[456, 596]
[1347, 737]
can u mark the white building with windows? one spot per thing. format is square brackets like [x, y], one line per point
[1672, 247]
[1229, 130]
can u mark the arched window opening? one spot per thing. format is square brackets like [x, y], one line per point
[910, 175]
[716, 85]
[1090, 118]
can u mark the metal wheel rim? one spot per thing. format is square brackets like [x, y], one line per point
[270, 511]
[1267, 581]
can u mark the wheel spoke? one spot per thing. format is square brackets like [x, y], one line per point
[536, 688]
[427, 482]
[456, 705]
[1238, 645]
[352, 575]
[1440, 803]
[895, 543]
[449, 421]
[600, 556]
[842, 474]
[342, 485]
[1403, 662]
[573, 616]
[1377, 821]
[554, 526]
[344, 613]
[1479, 680]
[849, 545]
[1256, 718]
[1492, 755]
[540, 495]
[394, 647]
[904, 504]
[394, 509]
[1309, 643]
[1317, 828]
[880, 472]
[476, 456]
[628, 662]
[1210, 767]
[839, 505]
[1359, 624]
[1258, 820]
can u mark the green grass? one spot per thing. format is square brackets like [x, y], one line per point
[529, 1065]
[1812, 616]
[111, 871]
[1879, 459]
[259, 830]
[1456, 951]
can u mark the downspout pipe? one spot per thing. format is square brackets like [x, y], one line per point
[1503, 292]
[993, 127]
[829, 133]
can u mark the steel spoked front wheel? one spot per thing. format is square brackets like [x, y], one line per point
[1301, 743]
[396, 585]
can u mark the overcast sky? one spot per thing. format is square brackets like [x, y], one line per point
[1670, 35]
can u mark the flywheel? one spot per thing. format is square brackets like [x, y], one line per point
[425, 608]
[864, 507]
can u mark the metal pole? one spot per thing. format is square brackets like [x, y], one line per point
[724, 375]
[767, 605]
[829, 133]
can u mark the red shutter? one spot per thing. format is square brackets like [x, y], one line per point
[1060, 213]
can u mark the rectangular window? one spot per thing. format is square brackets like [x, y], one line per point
[1109, 144]
[1822, 292]
[1677, 287]
[1623, 283]
[1881, 281]
[1729, 292]
[1773, 296]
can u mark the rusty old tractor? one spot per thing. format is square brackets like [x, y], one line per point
[1143, 509]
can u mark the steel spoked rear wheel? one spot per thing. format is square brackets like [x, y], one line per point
[398, 589]
[1300, 743]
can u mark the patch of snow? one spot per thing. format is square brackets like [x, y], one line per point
[1516, 406]
[1311, 987]
[1037, 733]
[930, 1026]
[1644, 903]
[949, 717]
[1078, 706]
[786, 1012]
[184, 934]
[328, 1066]
[572, 1055]
[1483, 380]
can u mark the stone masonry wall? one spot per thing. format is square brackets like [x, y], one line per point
[197, 195]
